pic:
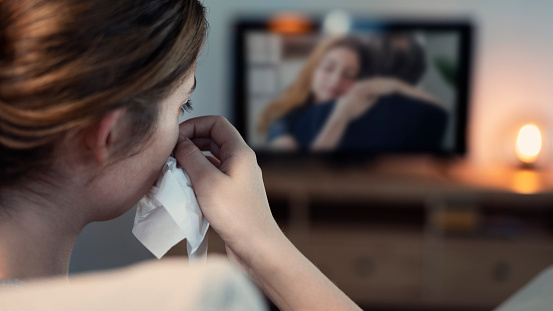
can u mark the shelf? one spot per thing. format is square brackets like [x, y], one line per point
[418, 232]
[406, 179]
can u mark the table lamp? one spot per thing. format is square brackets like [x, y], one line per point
[528, 145]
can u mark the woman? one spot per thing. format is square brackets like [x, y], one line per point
[339, 68]
[90, 95]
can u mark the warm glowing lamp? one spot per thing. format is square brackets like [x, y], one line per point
[528, 144]
[290, 23]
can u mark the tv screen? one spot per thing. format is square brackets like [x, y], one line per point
[382, 87]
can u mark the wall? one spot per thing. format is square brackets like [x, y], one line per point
[512, 81]
[512, 70]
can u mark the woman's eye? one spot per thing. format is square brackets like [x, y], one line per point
[328, 68]
[186, 107]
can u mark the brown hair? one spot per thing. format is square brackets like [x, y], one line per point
[66, 63]
[299, 92]
[405, 61]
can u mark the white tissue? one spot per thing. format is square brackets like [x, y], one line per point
[170, 213]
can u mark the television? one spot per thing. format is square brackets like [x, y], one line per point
[383, 86]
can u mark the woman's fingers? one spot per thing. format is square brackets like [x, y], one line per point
[214, 161]
[207, 144]
[217, 128]
[378, 86]
[193, 161]
[217, 134]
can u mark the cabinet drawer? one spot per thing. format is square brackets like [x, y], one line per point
[485, 273]
[373, 267]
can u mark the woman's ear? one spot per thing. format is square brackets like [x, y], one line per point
[101, 138]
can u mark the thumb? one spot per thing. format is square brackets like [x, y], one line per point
[193, 161]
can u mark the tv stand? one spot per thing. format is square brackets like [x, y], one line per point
[415, 233]
[418, 232]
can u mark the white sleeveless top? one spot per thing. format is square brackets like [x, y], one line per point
[168, 284]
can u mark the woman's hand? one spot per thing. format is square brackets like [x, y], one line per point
[357, 101]
[362, 96]
[230, 191]
[229, 186]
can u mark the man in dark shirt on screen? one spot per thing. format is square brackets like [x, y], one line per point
[395, 122]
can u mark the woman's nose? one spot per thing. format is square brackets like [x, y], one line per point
[336, 80]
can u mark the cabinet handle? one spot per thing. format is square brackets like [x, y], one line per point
[363, 267]
[501, 272]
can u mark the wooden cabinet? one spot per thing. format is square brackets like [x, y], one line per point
[416, 236]
[479, 273]
[449, 257]
[408, 268]
[369, 265]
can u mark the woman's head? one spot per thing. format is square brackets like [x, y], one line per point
[337, 70]
[68, 67]
[331, 69]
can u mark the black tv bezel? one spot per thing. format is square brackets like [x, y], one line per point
[239, 79]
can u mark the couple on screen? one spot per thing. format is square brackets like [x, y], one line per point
[352, 95]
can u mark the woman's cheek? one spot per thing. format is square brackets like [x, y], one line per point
[174, 136]
[317, 85]
[167, 138]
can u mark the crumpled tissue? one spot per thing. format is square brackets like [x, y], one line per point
[169, 213]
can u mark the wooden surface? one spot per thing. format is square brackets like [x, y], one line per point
[418, 265]
[405, 179]
[408, 267]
